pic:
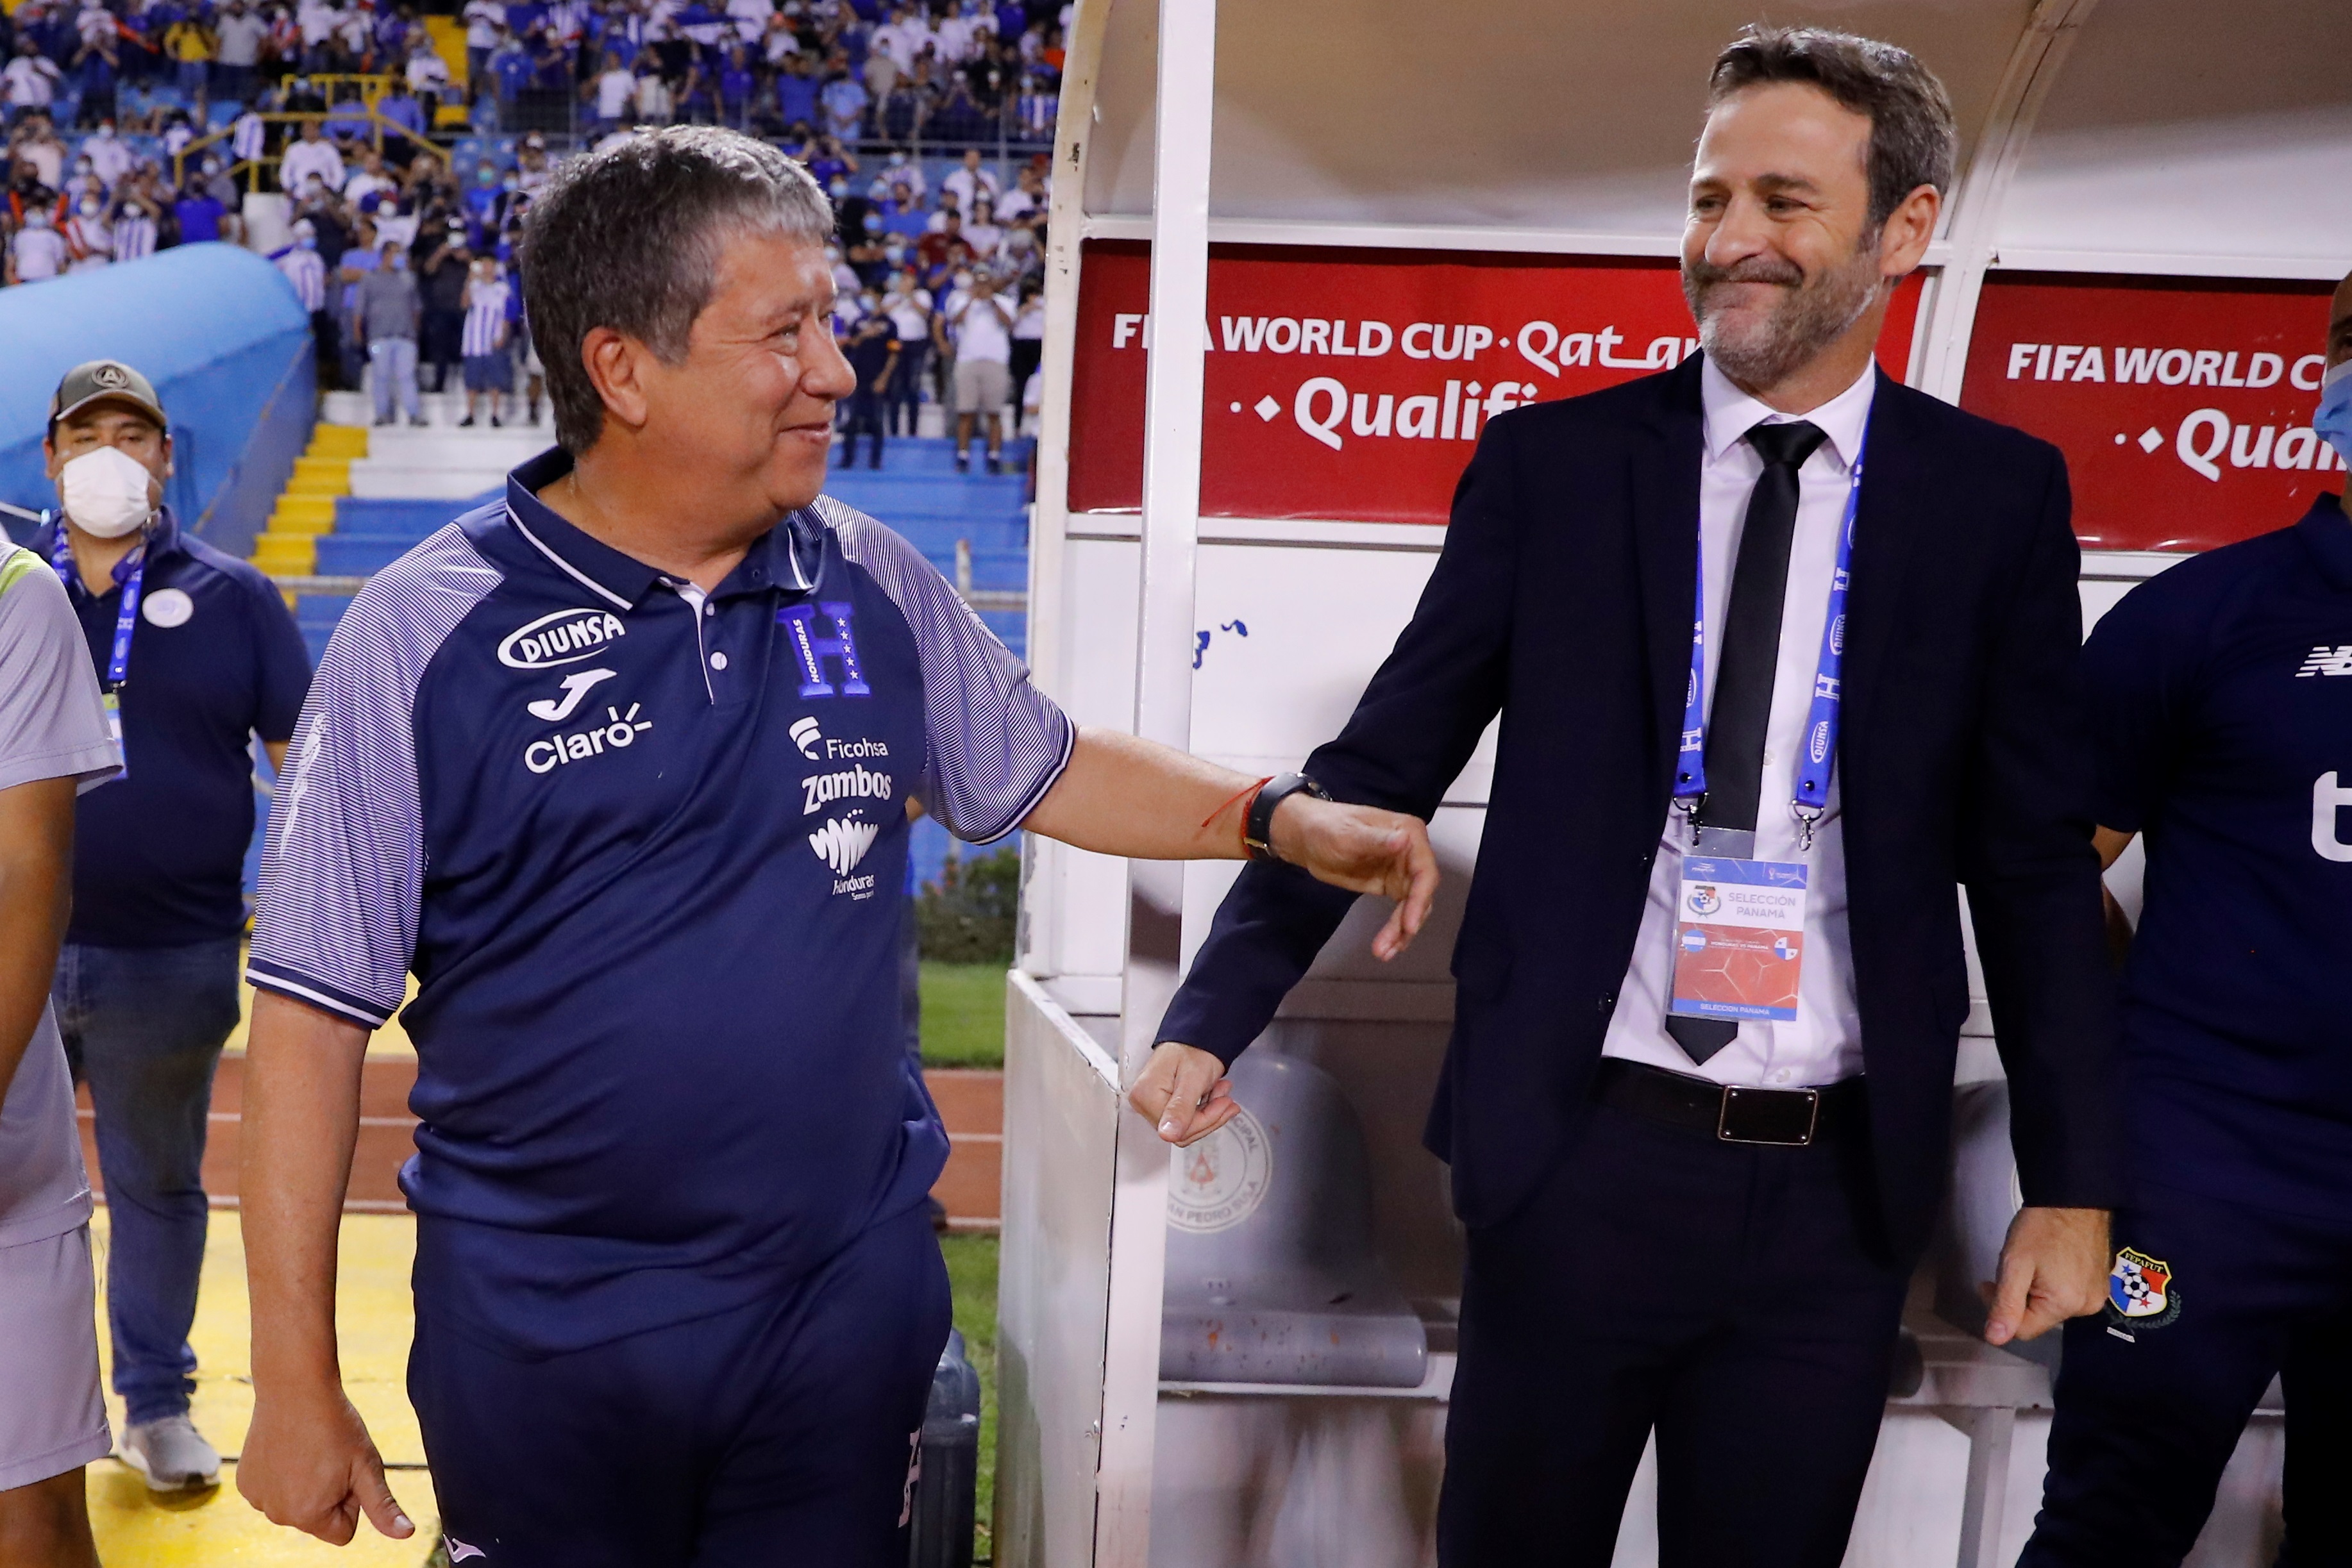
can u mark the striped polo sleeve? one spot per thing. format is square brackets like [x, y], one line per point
[335, 925]
[994, 743]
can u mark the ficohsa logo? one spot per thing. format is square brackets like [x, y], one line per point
[563, 638]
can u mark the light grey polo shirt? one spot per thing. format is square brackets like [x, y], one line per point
[52, 725]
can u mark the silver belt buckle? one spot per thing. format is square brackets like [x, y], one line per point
[1767, 1116]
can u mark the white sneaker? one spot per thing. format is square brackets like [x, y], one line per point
[172, 1454]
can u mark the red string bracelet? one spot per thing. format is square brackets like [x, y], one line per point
[1248, 792]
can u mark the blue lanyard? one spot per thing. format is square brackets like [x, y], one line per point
[1810, 797]
[126, 619]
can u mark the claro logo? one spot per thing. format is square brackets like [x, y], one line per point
[563, 638]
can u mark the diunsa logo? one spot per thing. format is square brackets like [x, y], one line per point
[563, 638]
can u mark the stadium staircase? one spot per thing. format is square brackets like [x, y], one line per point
[363, 497]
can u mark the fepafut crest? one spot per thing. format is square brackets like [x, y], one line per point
[2141, 1292]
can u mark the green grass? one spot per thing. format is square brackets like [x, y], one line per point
[963, 1021]
[972, 1271]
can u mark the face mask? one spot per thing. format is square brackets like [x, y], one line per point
[90, 209]
[36, 220]
[868, 303]
[487, 177]
[2334, 419]
[106, 492]
[895, 254]
[307, 241]
[873, 223]
[963, 280]
[513, 183]
[400, 261]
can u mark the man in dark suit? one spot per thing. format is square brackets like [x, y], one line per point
[1710, 979]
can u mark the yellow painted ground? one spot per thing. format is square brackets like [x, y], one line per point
[373, 1315]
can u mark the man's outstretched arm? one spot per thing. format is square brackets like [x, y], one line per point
[307, 1460]
[1125, 796]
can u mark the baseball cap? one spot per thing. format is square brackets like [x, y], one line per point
[101, 381]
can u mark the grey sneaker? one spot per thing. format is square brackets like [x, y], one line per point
[172, 1454]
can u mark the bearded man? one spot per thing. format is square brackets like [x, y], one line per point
[1697, 1099]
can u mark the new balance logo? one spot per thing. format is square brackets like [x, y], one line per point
[459, 1552]
[2327, 661]
[842, 843]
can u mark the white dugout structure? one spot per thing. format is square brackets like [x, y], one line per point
[1348, 231]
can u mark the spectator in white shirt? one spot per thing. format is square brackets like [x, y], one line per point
[368, 177]
[483, 19]
[615, 88]
[982, 234]
[982, 328]
[428, 73]
[90, 238]
[250, 136]
[45, 153]
[109, 157]
[312, 155]
[901, 38]
[1019, 205]
[31, 79]
[36, 252]
[970, 182]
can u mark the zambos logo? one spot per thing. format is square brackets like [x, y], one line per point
[563, 638]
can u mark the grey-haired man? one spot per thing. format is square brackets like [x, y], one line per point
[678, 1297]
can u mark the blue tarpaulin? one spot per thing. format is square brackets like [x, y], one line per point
[219, 332]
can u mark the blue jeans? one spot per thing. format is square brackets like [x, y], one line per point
[394, 361]
[143, 1028]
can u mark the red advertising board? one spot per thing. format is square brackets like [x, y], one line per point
[1352, 383]
[2183, 406]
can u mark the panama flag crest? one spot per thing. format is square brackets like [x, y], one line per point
[2140, 1290]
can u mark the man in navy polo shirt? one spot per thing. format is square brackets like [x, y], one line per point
[2223, 692]
[198, 656]
[617, 768]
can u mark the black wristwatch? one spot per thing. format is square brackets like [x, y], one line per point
[1257, 827]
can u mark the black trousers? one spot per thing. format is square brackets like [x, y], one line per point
[1736, 1300]
[2150, 1405]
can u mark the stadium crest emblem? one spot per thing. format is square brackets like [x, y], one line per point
[1220, 1181]
[2140, 1290]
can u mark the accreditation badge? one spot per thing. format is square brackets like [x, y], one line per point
[112, 702]
[1739, 938]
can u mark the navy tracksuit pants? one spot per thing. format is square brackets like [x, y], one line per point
[2150, 1406]
[775, 1436]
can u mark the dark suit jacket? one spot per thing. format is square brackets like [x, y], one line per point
[1563, 599]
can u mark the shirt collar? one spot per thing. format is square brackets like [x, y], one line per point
[2327, 533]
[622, 580]
[163, 540]
[1731, 414]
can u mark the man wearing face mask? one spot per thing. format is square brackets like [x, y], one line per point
[2222, 693]
[36, 251]
[196, 655]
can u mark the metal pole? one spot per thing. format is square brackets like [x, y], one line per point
[1175, 340]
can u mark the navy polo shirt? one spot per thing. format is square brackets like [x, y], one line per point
[643, 852]
[159, 858]
[2222, 694]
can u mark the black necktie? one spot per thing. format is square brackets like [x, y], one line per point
[1742, 708]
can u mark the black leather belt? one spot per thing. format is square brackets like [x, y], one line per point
[1787, 1118]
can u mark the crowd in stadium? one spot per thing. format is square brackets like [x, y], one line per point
[133, 125]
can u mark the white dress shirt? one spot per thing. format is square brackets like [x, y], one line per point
[1823, 1044]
